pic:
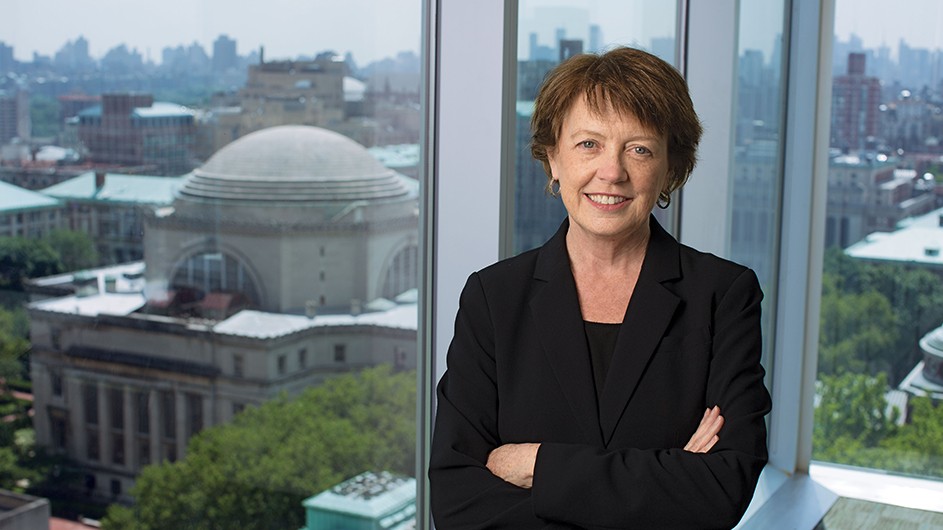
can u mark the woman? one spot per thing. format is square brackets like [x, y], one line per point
[611, 378]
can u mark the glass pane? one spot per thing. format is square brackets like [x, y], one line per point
[757, 161]
[880, 371]
[209, 256]
[548, 32]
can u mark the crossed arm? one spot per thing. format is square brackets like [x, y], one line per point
[514, 463]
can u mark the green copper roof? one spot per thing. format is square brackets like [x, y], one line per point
[14, 199]
[142, 189]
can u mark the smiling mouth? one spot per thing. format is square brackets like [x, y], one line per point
[606, 199]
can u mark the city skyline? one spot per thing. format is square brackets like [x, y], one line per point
[291, 28]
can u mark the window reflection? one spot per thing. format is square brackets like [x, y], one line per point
[757, 162]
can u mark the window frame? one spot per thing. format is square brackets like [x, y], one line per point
[466, 158]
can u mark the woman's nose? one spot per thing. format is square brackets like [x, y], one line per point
[612, 168]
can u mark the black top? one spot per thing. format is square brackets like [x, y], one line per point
[601, 338]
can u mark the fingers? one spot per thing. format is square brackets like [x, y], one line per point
[707, 433]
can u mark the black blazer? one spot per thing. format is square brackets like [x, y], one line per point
[519, 371]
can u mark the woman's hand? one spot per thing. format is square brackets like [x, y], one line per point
[706, 434]
[514, 463]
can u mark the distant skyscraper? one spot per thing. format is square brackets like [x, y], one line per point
[595, 38]
[14, 116]
[855, 101]
[6, 58]
[224, 54]
[569, 48]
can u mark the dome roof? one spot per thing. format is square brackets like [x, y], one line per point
[932, 342]
[293, 163]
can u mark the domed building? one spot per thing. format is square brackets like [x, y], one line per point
[926, 379]
[288, 218]
[289, 257]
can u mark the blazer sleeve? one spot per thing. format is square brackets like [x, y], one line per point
[464, 493]
[594, 487]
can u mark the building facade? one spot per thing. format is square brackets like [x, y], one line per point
[856, 101]
[25, 213]
[132, 130]
[287, 258]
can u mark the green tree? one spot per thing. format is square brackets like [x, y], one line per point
[44, 116]
[917, 448]
[76, 250]
[874, 314]
[857, 330]
[851, 417]
[14, 343]
[22, 258]
[254, 471]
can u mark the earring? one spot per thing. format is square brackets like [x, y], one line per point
[554, 192]
[664, 199]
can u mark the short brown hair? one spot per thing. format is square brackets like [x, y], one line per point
[632, 82]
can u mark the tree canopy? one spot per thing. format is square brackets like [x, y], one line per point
[254, 471]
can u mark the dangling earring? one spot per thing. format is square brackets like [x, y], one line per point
[554, 192]
[664, 199]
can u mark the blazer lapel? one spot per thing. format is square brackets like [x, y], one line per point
[649, 312]
[556, 311]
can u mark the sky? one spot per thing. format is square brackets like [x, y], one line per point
[375, 29]
[287, 28]
[885, 22]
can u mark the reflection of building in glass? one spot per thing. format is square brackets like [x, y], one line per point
[537, 215]
[369, 501]
[754, 221]
[110, 208]
[132, 130]
[274, 268]
[868, 194]
[856, 100]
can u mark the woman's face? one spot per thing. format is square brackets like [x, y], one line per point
[611, 170]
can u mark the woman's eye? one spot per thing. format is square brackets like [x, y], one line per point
[641, 150]
[587, 144]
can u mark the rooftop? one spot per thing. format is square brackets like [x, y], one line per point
[917, 240]
[295, 164]
[373, 495]
[16, 199]
[160, 109]
[118, 291]
[118, 188]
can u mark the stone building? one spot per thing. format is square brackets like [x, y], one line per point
[289, 257]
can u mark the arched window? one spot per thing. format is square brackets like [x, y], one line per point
[403, 272]
[215, 272]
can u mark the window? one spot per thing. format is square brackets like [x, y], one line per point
[194, 414]
[219, 162]
[878, 389]
[117, 449]
[90, 401]
[282, 362]
[168, 414]
[116, 406]
[92, 451]
[55, 381]
[142, 412]
[237, 365]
